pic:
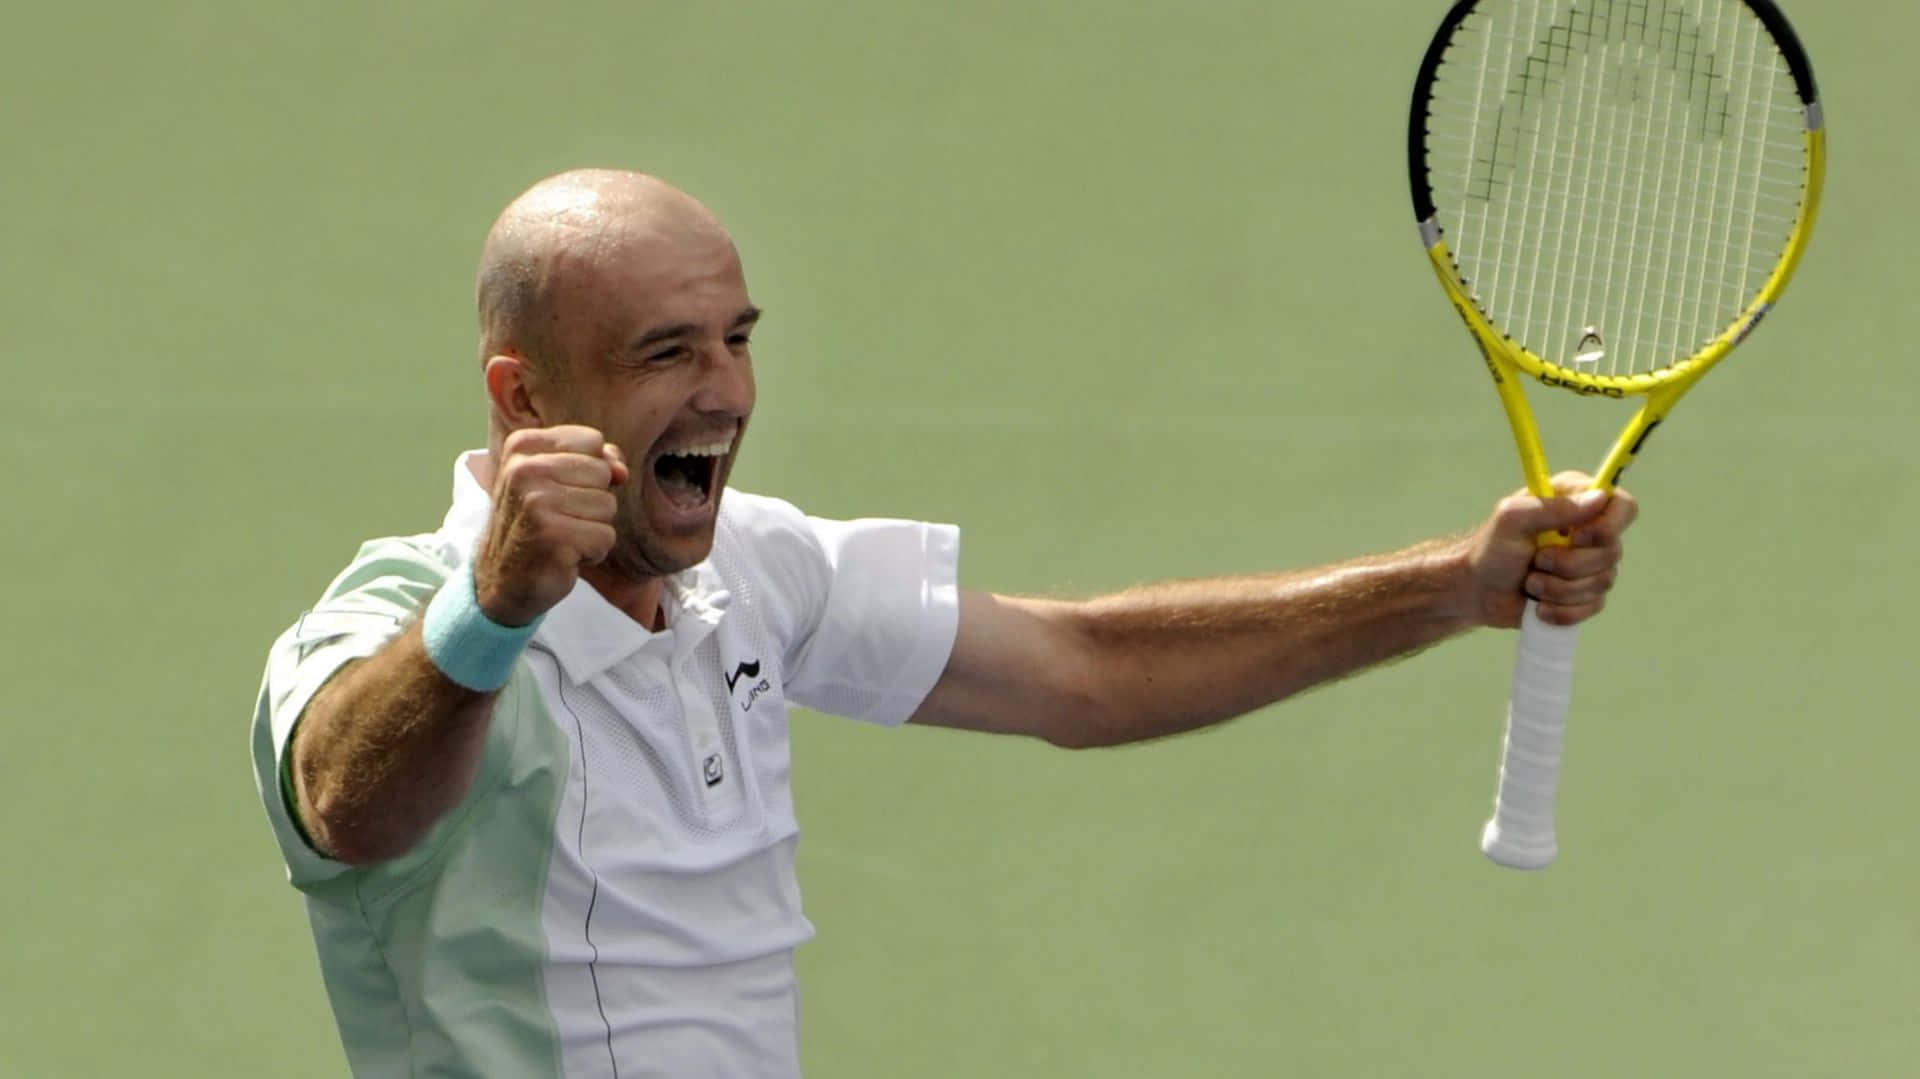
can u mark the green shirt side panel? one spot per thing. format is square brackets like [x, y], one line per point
[435, 962]
[459, 941]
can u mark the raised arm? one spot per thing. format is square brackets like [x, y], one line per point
[392, 742]
[1166, 658]
[387, 746]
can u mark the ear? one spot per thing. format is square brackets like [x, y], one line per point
[512, 388]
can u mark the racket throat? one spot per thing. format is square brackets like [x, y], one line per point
[1631, 441]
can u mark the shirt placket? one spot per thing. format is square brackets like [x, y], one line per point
[718, 781]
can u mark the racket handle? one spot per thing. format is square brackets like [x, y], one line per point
[1520, 835]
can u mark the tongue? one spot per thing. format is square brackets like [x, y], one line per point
[678, 485]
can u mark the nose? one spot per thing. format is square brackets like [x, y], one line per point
[726, 384]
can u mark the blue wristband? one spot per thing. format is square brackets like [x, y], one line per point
[468, 647]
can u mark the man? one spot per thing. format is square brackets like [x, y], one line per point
[531, 771]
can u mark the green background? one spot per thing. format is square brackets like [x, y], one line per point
[1128, 290]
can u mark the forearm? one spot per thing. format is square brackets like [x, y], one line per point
[1166, 658]
[384, 750]
[1172, 657]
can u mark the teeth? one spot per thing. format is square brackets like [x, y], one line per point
[711, 449]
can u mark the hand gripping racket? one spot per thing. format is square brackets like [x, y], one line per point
[1613, 193]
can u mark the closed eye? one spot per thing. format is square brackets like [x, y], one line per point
[741, 332]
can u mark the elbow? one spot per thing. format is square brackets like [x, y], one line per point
[360, 848]
[1073, 735]
[1084, 732]
[349, 848]
[344, 832]
[1083, 720]
[333, 835]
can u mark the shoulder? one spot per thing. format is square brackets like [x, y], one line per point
[759, 533]
[769, 545]
[395, 564]
[381, 588]
[748, 517]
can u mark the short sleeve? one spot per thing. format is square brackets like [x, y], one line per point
[883, 617]
[365, 607]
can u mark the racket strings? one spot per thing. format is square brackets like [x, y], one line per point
[1633, 168]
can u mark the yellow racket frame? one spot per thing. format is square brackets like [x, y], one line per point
[1507, 359]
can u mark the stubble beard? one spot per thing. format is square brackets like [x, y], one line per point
[637, 553]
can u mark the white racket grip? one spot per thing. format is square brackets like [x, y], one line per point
[1520, 835]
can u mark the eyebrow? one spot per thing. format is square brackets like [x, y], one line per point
[681, 329]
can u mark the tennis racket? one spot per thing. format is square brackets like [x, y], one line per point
[1613, 193]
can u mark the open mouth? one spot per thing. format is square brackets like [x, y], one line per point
[688, 475]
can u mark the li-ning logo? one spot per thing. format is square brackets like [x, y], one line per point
[750, 671]
[711, 770]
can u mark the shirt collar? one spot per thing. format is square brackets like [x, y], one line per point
[583, 631]
[466, 519]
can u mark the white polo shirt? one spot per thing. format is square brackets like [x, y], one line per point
[615, 896]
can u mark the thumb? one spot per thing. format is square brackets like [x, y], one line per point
[1565, 512]
[618, 461]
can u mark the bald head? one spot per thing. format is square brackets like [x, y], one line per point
[562, 236]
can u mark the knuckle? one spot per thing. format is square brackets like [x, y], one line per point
[540, 506]
[1570, 614]
[1590, 564]
[1513, 507]
[580, 438]
[548, 533]
[523, 441]
[596, 472]
[521, 473]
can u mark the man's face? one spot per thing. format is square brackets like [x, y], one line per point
[654, 329]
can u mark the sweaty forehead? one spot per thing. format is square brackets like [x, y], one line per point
[655, 262]
[634, 281]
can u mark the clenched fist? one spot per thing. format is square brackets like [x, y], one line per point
[553, 512]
